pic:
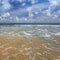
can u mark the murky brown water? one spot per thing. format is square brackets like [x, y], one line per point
[28, 48]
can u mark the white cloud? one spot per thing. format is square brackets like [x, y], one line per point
[54, 2]
[53, 5]
[6, 4]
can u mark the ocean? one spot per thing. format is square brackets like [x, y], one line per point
[29, 42]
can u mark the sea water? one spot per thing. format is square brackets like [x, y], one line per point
[30, 42]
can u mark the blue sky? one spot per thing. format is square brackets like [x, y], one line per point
[15, 4]
[19, 3]
[11, 10]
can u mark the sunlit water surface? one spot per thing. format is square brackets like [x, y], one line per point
[29, 42]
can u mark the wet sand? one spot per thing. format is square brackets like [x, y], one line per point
[57, 38]
[28, 48]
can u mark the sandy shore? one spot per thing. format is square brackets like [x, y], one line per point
[28, 48]
[57, 38]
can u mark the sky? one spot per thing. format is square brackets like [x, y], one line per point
[7, 4]
[17, 10]
[20, 3]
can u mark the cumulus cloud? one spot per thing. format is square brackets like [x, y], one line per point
[5, 4]
[54, 2]
[53, 5]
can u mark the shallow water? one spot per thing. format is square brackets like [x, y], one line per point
[30, 42]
